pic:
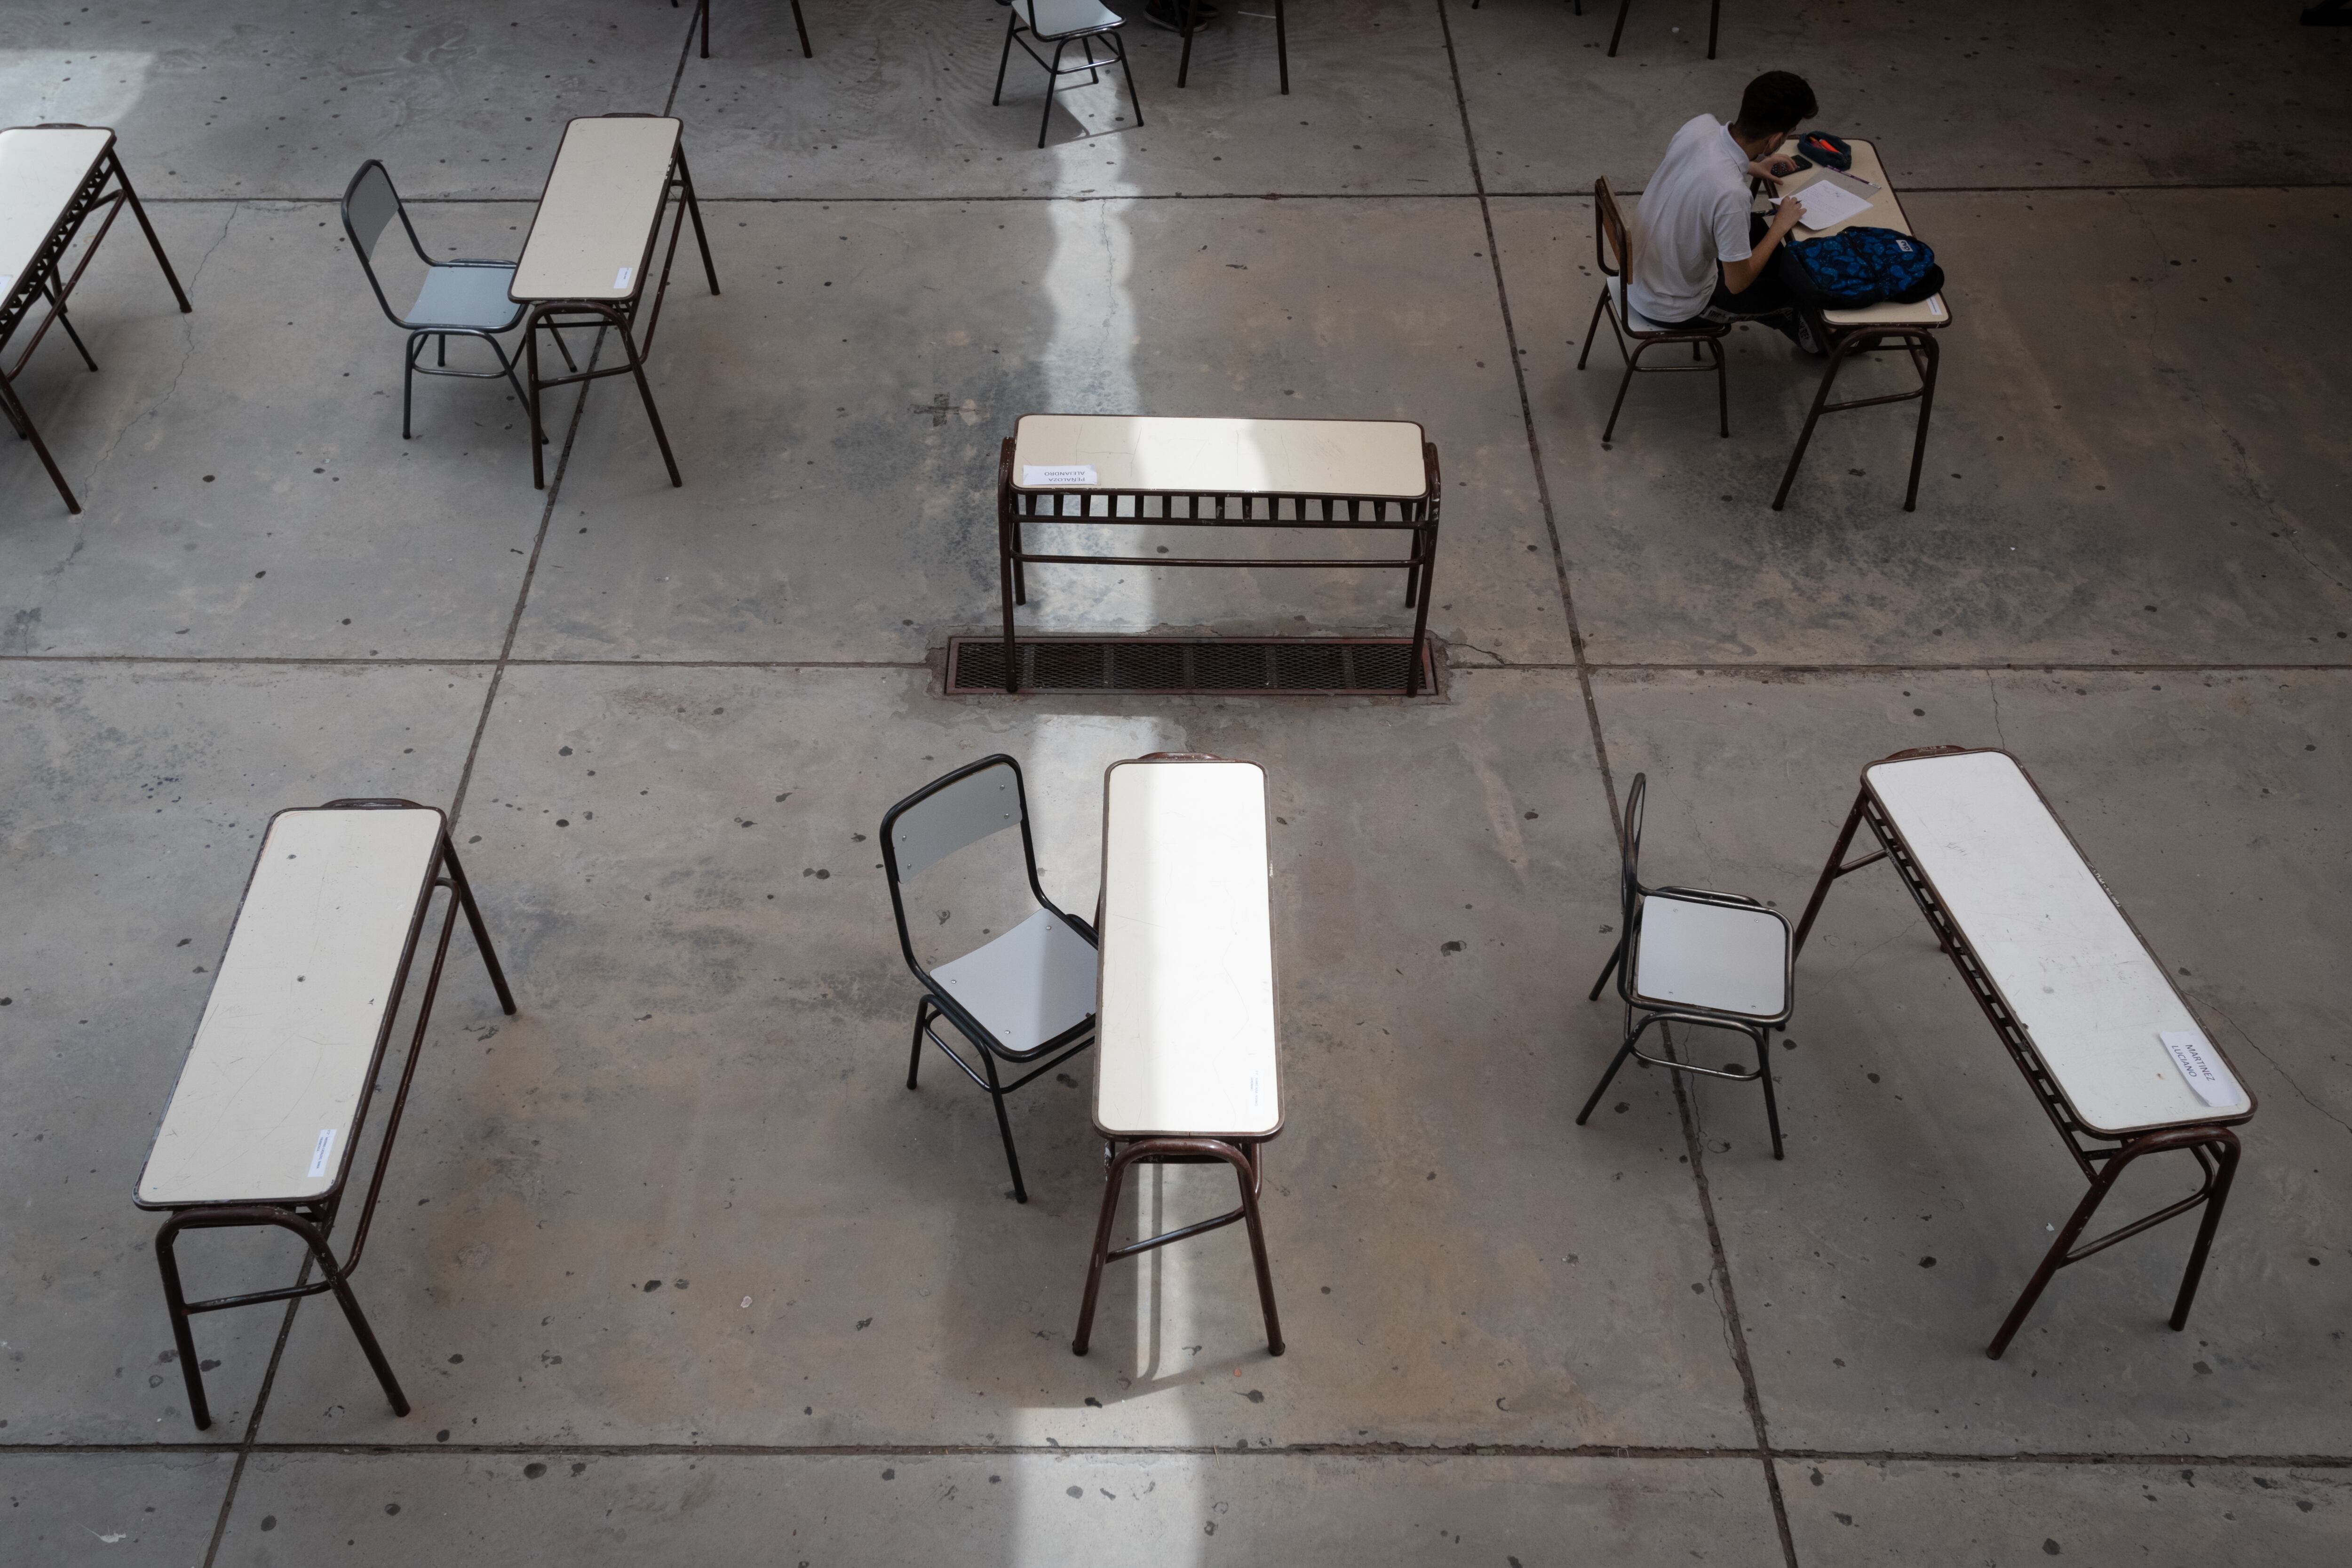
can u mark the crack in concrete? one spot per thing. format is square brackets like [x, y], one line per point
[188, 345]
[2255, 1046]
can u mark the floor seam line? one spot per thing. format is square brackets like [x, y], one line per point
[2111, 188]
[1629, 1452]
[1750, 1394]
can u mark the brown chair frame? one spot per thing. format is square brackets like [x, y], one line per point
[1612, 253]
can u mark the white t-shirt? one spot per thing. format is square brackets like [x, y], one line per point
[1693, 214]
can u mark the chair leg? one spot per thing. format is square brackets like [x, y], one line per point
[1009, 23]
[1594, 326]
[1616, 956]
[1602, 1086]
[915, 1053]
[1714, 23]
[1282, 46]
[1771, 1104]
[1722, 388]
[1053, 78]
[1633, 363]
[1129, 72]
[1619, 31]
[807, 53]
[1094, 70]
[408, 379]
[1004, 1126]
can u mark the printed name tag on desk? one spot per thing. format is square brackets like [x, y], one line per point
[1036, 477]
[320, 1150]
[2203, 1067]
[621, 278]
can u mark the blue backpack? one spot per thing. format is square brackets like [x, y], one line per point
[1859, 267]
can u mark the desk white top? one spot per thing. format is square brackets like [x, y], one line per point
[594, 230]
[1886, 211]
[1374, 457]
[264, 1106]
[39, 172]
[2091, 997]
[1185, 1016]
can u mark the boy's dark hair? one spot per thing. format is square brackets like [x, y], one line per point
[1773, 105]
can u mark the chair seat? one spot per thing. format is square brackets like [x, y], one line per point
[1066, 18]
[1722, 958]
[1642, 326]
[1032, 985]
[468, 296]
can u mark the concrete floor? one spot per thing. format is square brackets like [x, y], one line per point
[673, 1265]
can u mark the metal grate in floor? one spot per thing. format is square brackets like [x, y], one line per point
[1306, 666]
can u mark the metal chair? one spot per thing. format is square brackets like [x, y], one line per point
[1612, 251]
[1027, 994]
[1061, 23]
[1685, 955]
[461, 298]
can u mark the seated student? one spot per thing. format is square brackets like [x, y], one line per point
[1700, 259]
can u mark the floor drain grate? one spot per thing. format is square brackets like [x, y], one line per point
[1306, 666]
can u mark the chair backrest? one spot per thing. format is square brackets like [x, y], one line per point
[1629, 888]
[1612, 242]
[369, 204]
[954, 812]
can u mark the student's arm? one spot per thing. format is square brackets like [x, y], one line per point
[1739, 275]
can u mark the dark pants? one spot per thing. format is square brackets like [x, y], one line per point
[1770, 298]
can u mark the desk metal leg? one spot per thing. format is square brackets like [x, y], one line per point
[2219, 1168]
[1928, 347]
[335, 1278]
[645, 391]
[1281, 46]
[147, 228]
[531, 354]
[1247, 1161]
[1619, 31]
[23, 421]
[1184, 61]
[1925, 356]
[1830, 871]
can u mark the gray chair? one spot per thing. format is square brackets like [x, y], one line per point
[1026, 996]
[1685, 956]
[1061, 23]
[459, 298]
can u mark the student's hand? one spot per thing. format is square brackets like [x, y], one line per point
[1775, 170]
[1787, 215]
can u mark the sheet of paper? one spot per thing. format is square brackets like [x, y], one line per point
[1035, 477]
[1827, 204]
[2203, 1067]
